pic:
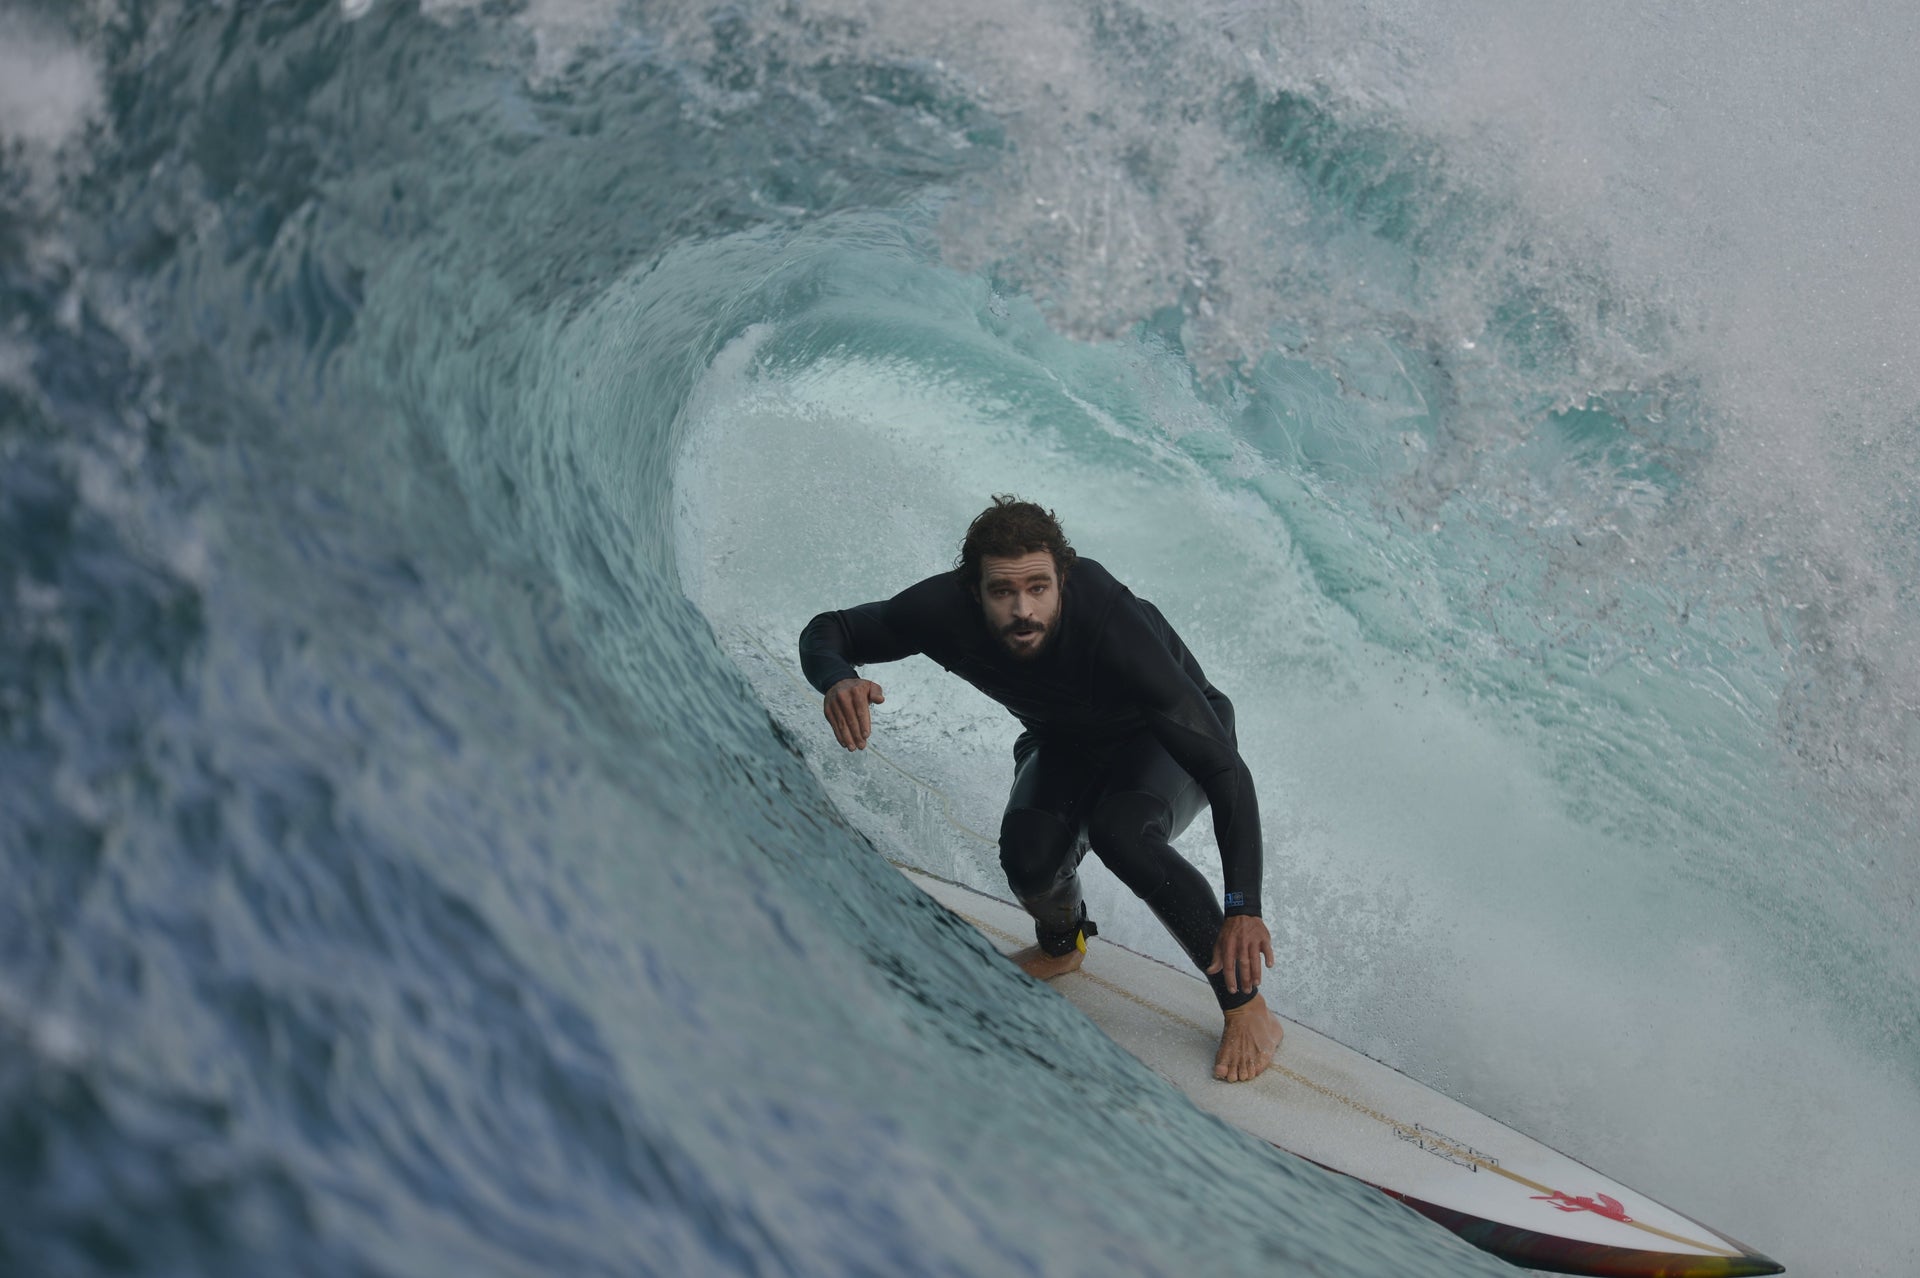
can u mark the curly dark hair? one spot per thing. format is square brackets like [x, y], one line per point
[1008, 528]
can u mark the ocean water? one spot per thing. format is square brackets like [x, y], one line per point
[424, 428]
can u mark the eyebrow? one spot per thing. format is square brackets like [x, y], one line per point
[1038, 574]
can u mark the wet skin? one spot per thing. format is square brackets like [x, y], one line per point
[1248, 1041]
[1021, 598]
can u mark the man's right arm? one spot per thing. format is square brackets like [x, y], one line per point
[835, 642]
[832, 644]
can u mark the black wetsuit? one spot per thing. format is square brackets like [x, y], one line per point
[1125, 741]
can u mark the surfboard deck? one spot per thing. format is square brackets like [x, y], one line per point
[1502, 1191]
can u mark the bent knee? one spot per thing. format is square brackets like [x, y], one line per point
[1034, 846]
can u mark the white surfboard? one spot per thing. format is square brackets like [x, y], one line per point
[1502, 1191]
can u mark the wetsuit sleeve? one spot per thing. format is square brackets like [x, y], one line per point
[1179, 716]
[833, 643]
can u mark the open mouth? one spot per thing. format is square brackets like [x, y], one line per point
[1022, 638]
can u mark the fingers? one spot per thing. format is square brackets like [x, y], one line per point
[1228, 961]
[859, 726]
[835, 708]
[847, 713]
[1239, 953]
[840, 720]
[865, 693]
[1259, 952]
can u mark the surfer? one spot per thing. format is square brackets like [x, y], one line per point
[1124, 742]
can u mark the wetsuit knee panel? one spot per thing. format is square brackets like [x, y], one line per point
[1035, 845]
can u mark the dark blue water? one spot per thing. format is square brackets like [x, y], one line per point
[425, 428]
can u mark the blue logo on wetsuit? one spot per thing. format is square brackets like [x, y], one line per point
[1236, 898]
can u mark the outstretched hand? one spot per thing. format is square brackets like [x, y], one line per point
[847, 710]
[1244, 942]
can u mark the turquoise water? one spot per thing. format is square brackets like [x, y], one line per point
[426, 427]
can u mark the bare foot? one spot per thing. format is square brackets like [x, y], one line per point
[1042, 966]
[1248, 1042]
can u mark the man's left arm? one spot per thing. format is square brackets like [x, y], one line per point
[1177, 712]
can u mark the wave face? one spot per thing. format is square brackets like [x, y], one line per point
[427, 427]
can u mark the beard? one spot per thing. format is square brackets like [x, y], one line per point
[1008, 633]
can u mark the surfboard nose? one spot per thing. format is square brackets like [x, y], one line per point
[1554, 1253]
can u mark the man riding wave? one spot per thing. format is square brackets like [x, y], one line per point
[1124, 742]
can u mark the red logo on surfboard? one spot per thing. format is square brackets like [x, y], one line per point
[1600, 1205]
